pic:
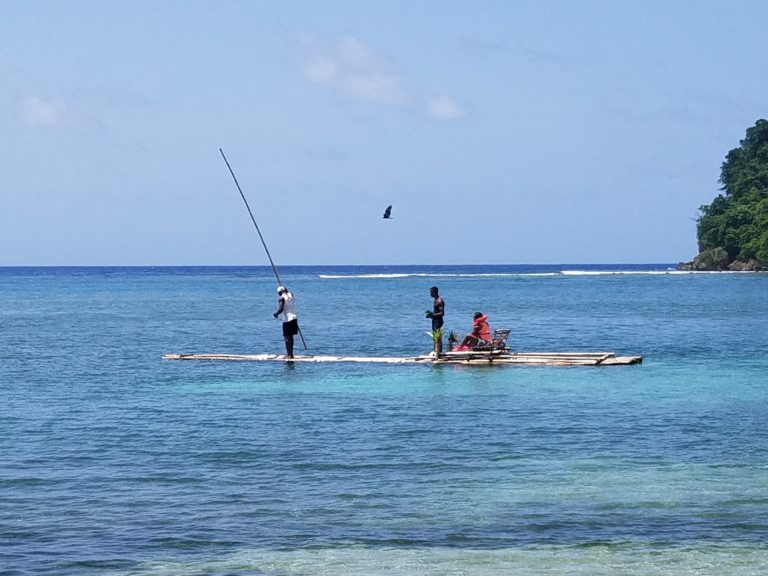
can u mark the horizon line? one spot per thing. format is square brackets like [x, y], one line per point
[267, 266]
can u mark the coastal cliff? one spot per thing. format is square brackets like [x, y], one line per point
[732, 230]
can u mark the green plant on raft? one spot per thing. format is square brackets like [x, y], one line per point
[437, 339]
[436, 335]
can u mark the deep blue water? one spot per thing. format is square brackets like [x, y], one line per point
[114, 461]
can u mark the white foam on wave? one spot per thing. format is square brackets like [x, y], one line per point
[398, 275]
[618, 272]
[670, 272]
[436, 275]
[347, 276]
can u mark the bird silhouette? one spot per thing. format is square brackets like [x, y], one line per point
[388, 213]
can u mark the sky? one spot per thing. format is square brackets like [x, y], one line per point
[501, 132]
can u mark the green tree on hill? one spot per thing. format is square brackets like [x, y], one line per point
[734, 227]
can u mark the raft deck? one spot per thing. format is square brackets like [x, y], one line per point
[466, 358]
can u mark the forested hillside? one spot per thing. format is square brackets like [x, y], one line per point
[732, 230]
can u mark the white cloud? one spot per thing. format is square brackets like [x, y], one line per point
[36, 112]
[351, 67]
[321, 70]
[443, 108]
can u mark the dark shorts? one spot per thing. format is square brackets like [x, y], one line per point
[437, 323]
[291, 328]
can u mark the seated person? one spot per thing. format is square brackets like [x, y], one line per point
[480, 335]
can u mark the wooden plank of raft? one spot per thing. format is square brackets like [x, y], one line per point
[282, 358]
[622, 361]
[563, 354]
[521, 361]
[519, 358]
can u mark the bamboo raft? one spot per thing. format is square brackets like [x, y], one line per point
[496, 357]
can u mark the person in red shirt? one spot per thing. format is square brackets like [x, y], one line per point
[481, 332]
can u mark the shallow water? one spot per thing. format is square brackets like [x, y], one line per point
[117, 462]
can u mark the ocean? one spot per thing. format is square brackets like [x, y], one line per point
[116, 462]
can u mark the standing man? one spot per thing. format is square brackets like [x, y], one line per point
[437, 315]
[290, 321]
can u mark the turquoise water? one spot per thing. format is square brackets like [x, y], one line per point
[113, 461]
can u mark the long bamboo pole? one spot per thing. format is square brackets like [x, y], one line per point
[261, 237]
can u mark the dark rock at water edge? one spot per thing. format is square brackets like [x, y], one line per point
[717, 259]
[748, 266]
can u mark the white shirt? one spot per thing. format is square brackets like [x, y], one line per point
[289, 308]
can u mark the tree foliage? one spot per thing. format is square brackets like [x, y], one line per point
[737, 219]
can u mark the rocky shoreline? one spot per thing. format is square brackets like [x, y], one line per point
[717, 260]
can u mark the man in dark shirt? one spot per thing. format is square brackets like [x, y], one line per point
[437, 315]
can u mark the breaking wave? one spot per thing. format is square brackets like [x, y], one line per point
[557, 273]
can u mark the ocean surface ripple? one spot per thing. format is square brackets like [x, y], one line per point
[117, 462]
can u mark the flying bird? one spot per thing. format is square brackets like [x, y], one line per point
[388, 213]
